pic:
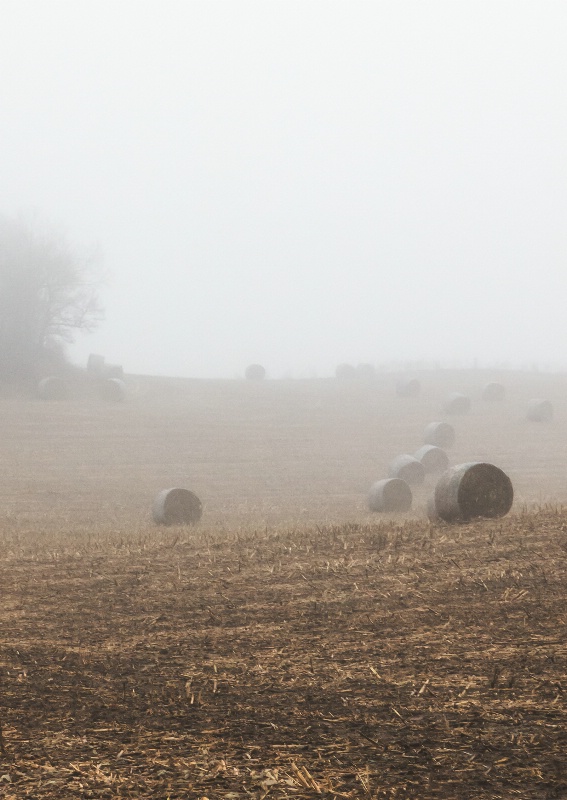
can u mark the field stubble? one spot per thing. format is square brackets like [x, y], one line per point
[262, 654]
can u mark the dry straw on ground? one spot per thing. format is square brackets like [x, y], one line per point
[263, 656]
[369, 662]
[390, 495]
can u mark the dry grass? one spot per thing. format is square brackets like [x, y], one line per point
[271, 652]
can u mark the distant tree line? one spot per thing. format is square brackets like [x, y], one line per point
[47, 295]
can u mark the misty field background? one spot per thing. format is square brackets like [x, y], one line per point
[263, 453]
[292, 644]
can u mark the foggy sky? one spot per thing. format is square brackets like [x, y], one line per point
[299, 182]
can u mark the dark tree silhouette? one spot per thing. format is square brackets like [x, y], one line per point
[47, 295]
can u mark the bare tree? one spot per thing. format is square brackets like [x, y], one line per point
[47, 294]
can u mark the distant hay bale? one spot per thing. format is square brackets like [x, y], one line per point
[365, 372]
[255, 372]
[95, 364]
[112, 389]
[472, 490]
[177, 507]
[440, 434]
[433, 458]
[540, 411]
[494, 392]
[345, 372]
[113, 371]
[408, 387]
[53, 388]
[389, 495]
[457, 403]
[408, 469]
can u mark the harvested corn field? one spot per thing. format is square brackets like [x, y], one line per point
[293, 643]
[373, 661]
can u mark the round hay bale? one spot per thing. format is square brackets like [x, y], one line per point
[112, 389]
[53, 388]
[433, 458]
[177, 507]
[540, 411]
[408, 469]
[255, 372]
[494, 392]
[365, 372]
[440, 434]
[345, 372]
[457, 403]
[472, 490]
[408, 387]
[391, 494]
[113, 371]
[95, 364]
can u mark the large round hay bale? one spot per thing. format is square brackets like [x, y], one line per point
[53, 388]
[471, 490]
[365, 372]
[345, 372]
[408, 469]
[95, 364]
[440, 434]
[255, 372]
[540, 411]
[391, 494]
[408, 387]
[112, 389]
[494, 392]
[433, 458]
[457, 403]
[113, 371]
[177, 507]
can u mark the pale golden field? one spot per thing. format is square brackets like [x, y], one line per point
[292, 644]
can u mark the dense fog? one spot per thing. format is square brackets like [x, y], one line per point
[298, 183]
